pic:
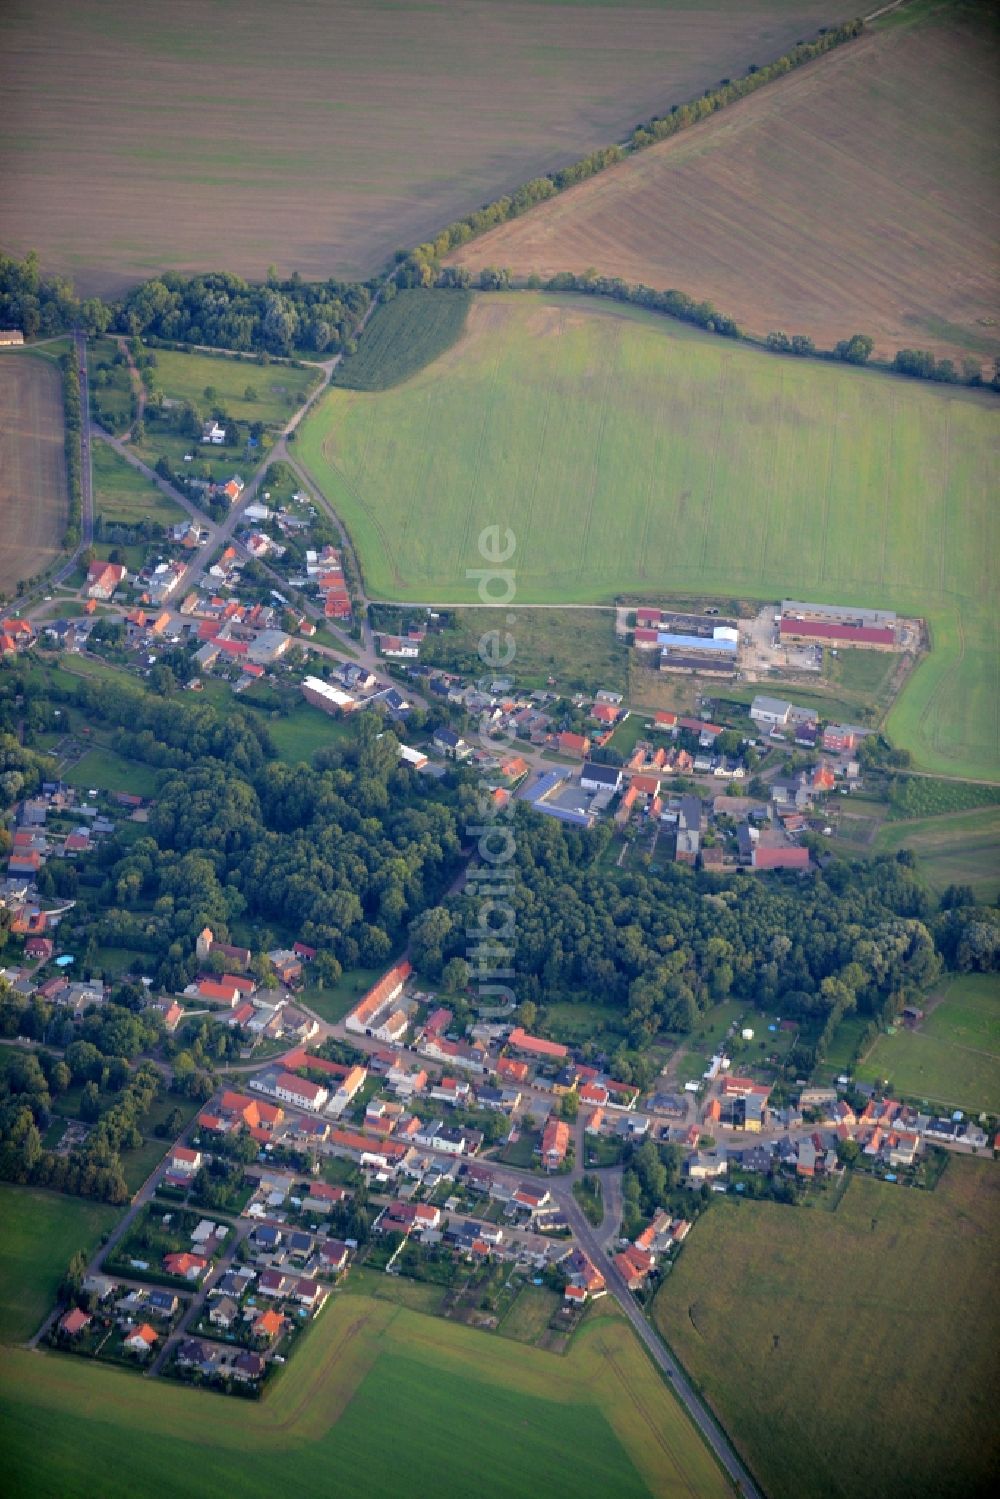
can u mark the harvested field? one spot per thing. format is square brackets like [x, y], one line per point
[64, 1423]
[819, 1337]
[630, 454]
[858, 194]
[138, 139]
[33, 495]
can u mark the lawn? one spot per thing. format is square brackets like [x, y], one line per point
[776, 208]
[39, 1234]
[33, 495]
[333, 1003]
[953, 1059]
[108, 771]
[852, 1352]
[297, 735]
[530, 1314]
[122, 496]
[402, 336]
[573, 1024]
[625, 452]
[65, 1423]
[322, 139]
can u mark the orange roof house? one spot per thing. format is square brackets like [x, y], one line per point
[555, 1142]
[268, 1324]
[535, 1046]
[573, 744]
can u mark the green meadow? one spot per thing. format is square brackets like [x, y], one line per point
[39, 1234]
[123, 496]
[627, 453]
[953, 1059]
[278, 389]
[414, 1403]
[850, 1352]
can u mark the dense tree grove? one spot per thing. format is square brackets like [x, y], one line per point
[220, 309]
[665, 945]
[94, 1060]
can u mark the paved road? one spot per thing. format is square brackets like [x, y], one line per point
[199, 1300]
[702, 1417]
[115, 1237]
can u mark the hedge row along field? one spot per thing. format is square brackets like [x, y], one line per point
[629, 454]
[406, 332]
[858, 194]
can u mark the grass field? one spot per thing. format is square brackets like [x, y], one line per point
[627, 453]
[123, 497]
[39, 1234]
[323, 139]
[963, 849]
[33, 494]
[953, 1059]
[575, 646]
[280, 388]
[108, 771]
[325, 1421]
[779, 209]
[404, 334]
[821, 1338]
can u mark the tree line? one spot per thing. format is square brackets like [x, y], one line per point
[417, 268]
[218, 309]
[72, 420]
[918, 364]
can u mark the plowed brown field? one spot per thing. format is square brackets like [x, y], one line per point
[33, 496]
[859, 194]
[323, 134]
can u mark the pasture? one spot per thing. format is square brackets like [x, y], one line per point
[124, 497]
[953, 1058]
[33, 494]
[628, 453]
[325, 1419]
[851, 1352]
[39, 1234]
[138, 139]
[780, 210]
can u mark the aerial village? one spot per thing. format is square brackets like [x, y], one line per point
[400, 1141]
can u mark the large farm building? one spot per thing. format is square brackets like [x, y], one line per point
[837, 625]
